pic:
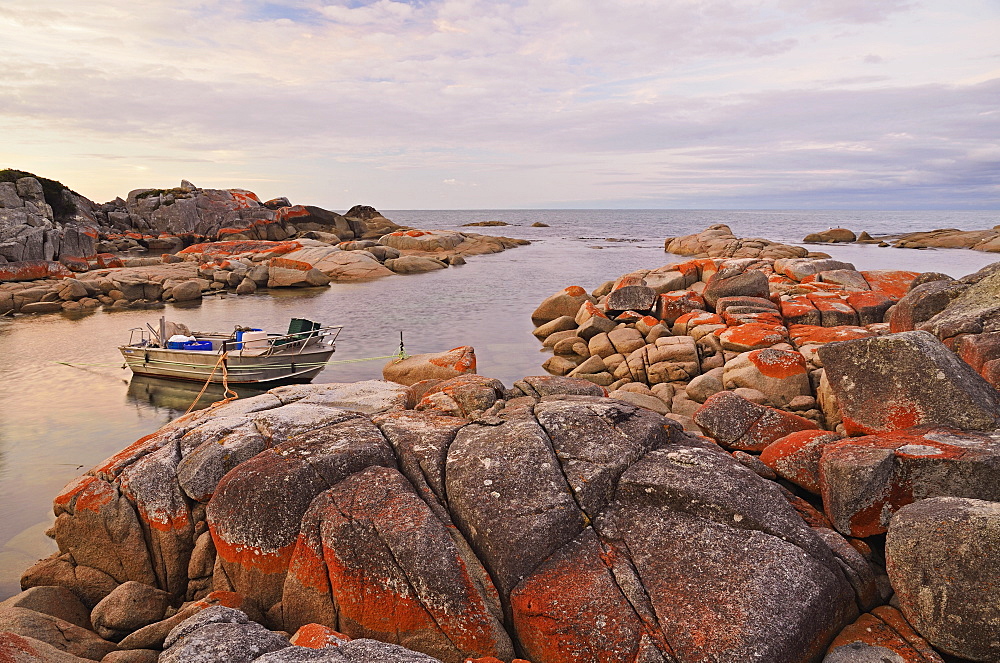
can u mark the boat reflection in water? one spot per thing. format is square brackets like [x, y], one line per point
[178, 396]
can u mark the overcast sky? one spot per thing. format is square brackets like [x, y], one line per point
[454, 104]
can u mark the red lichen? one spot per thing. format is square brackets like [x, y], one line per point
[892, 284]
[287, 263]
[670, 306]
[752, 335]
[293, 212]
[778, 365]
[317, 636]
[244, 199]
[575, 291]
[251, 557]
[815, 335]
[241, 247]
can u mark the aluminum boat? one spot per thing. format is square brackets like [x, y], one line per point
[245, 356]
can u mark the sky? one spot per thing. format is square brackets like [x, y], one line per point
[481, 104]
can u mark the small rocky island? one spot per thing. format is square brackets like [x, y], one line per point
[62, 252]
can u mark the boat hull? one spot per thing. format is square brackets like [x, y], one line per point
[240, 369]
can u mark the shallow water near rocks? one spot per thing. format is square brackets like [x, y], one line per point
[66, 403]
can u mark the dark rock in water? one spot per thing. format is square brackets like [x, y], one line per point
[886, 383]
[941, 556]
[831, 235]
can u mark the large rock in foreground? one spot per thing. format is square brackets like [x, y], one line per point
[581, 527]
[886, 383]
[942, 556]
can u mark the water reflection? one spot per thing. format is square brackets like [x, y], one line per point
[175, 397]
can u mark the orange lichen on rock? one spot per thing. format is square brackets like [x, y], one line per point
[461, 359]
[796, 456]
[736, 319]
[778, 365]
[752, 336]
[670, 306]
[85, 493]
[865, 480]
[251, 557]
[891, 283]
[288, 263]
[244, 199]
[571, 611]
[897, 414]
[293, 212]
[242, 247]
[317, 636]
[108, 260]
[815, 335]
[886, 628]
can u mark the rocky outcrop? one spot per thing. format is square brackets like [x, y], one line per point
[458, 538]
[950, 238]
[718, 241]
[239, 243]
[831, 236]
[759, 321]
[42, 220]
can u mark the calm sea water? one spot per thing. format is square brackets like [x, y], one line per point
[66, 403]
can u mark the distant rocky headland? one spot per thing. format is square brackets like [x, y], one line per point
[60, 251]
[945, 238]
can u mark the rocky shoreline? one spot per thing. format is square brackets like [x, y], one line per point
[871, 396]
[181, 244]
[767, 457]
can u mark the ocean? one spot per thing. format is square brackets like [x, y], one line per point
[66, 403]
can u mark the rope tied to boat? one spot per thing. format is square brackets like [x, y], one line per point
[225, 385]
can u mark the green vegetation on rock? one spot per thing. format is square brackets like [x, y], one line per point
[52, 189]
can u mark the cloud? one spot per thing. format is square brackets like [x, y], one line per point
[537, 101]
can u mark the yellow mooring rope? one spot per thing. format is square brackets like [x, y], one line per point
[225, 384]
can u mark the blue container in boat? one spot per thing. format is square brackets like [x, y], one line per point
[239, 337]
[175, 345]
[203, 346]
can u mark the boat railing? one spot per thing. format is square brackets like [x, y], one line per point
[285, 343]
[144, 337]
